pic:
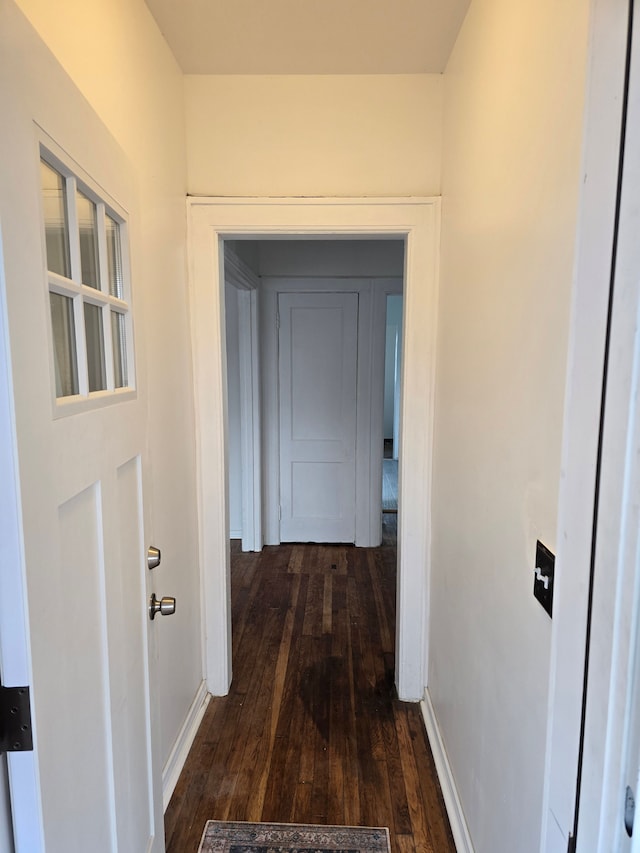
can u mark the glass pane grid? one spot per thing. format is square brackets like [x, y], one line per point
[90, 337]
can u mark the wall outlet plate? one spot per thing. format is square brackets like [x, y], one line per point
[543, 577]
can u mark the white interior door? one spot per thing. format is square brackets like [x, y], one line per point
[318, 342]
[81, 460]
[6, 831]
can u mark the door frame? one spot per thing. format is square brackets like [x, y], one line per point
[245, 281]
[417, 222]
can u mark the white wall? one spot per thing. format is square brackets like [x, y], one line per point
[118, 59]
[314, 135]
[513, 117]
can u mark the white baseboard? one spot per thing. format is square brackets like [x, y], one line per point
[452, 802]
[173, 768]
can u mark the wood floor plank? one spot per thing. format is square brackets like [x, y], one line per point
[312, 731]
[327, 604]
[417, 811]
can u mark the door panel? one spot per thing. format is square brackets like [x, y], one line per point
[74, 625]
[317, 381]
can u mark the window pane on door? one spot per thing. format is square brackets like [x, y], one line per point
[64, 345]
[56, 226]
[95, 347]
[114, 257]
[119, 350]
[88, 228]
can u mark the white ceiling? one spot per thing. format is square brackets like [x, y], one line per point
[310, 36]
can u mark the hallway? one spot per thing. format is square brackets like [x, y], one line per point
[311, 731]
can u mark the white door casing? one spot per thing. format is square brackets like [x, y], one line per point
[81, 481]
[241, 277]
[416, 221]
[317, 361]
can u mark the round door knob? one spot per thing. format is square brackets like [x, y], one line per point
[165, 606]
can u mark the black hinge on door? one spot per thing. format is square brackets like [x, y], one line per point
[15, 720]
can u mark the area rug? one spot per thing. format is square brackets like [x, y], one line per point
[239, 837]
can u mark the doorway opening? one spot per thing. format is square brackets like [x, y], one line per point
[414, 221]
[306, 324]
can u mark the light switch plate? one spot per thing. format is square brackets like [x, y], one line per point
[543, 577]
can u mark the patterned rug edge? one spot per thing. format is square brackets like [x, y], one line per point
[224, 836]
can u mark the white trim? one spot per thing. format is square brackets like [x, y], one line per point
[242, 277]
[369, 417]
[249, 422]
[238, 273]
[255, 450]
[178, 755]
[416, 220]
[450, 794]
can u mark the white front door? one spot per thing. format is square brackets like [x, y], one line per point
[6, 831]
[318, 344]
[81, 460]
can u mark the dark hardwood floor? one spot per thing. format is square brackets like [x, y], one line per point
[311, 731]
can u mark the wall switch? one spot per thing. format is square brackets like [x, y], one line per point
[543, 577]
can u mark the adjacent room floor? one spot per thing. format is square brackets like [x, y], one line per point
[312, 731]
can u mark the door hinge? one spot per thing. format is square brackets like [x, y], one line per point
[571, 847]
[279, 513]
[15, 720]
